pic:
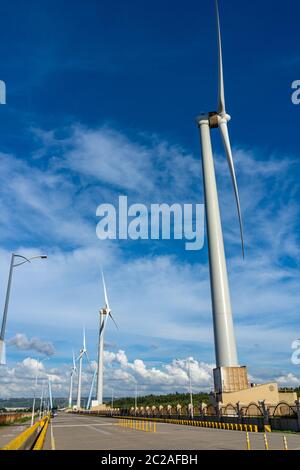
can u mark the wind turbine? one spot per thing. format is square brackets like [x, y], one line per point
[73, 371]
[225, 343]
[105, 312]
[82, 352]
[91, 390]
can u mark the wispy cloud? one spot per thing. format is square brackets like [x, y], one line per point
[21, 342]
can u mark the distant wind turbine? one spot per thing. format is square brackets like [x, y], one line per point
[73, 371]
[50, 393]
[82, 352]
[225, 344]
[105, 312]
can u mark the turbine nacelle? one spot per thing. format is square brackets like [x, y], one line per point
[213, 118]
[81, 353]
[105, 311]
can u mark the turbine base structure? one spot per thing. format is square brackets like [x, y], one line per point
[258, 394]
[95, 406]
[230, 379]
[232, 386]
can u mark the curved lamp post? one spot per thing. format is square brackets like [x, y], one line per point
[12, 266]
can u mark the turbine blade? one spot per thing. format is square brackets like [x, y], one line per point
[84, 345]
[74, 363]
[226, 141]
[113, 320]
[105, 292]
[103, 325]
[88, 359]
[221, 95]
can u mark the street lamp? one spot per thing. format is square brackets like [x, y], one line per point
[135, 396]
[50, 393]
[41, 402]
[190, 386]
[190, 389]
[12, 265]
[112, 401]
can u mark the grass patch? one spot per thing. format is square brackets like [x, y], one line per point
[17, 421]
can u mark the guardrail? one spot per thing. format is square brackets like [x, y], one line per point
[206, 424]
[32, 438]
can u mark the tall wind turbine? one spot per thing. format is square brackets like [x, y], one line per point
[105, 312]
[73, 371]
[82, 352]
[225, 343]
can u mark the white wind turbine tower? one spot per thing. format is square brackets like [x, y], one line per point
[73, 371]
[105, 312]
[225, 344]
[83, 352]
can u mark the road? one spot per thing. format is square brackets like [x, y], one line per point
[9, 432]
[78, 432]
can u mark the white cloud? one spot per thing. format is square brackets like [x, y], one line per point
[32, 366]
[288, 380]
[120, 374]
[174, 375]
[108, 156]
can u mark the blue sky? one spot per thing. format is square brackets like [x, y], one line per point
[101, 102]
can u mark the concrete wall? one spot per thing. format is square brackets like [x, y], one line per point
[267, 392]
[288, 397]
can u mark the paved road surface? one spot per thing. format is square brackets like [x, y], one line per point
[8, 433]
[71, 432]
